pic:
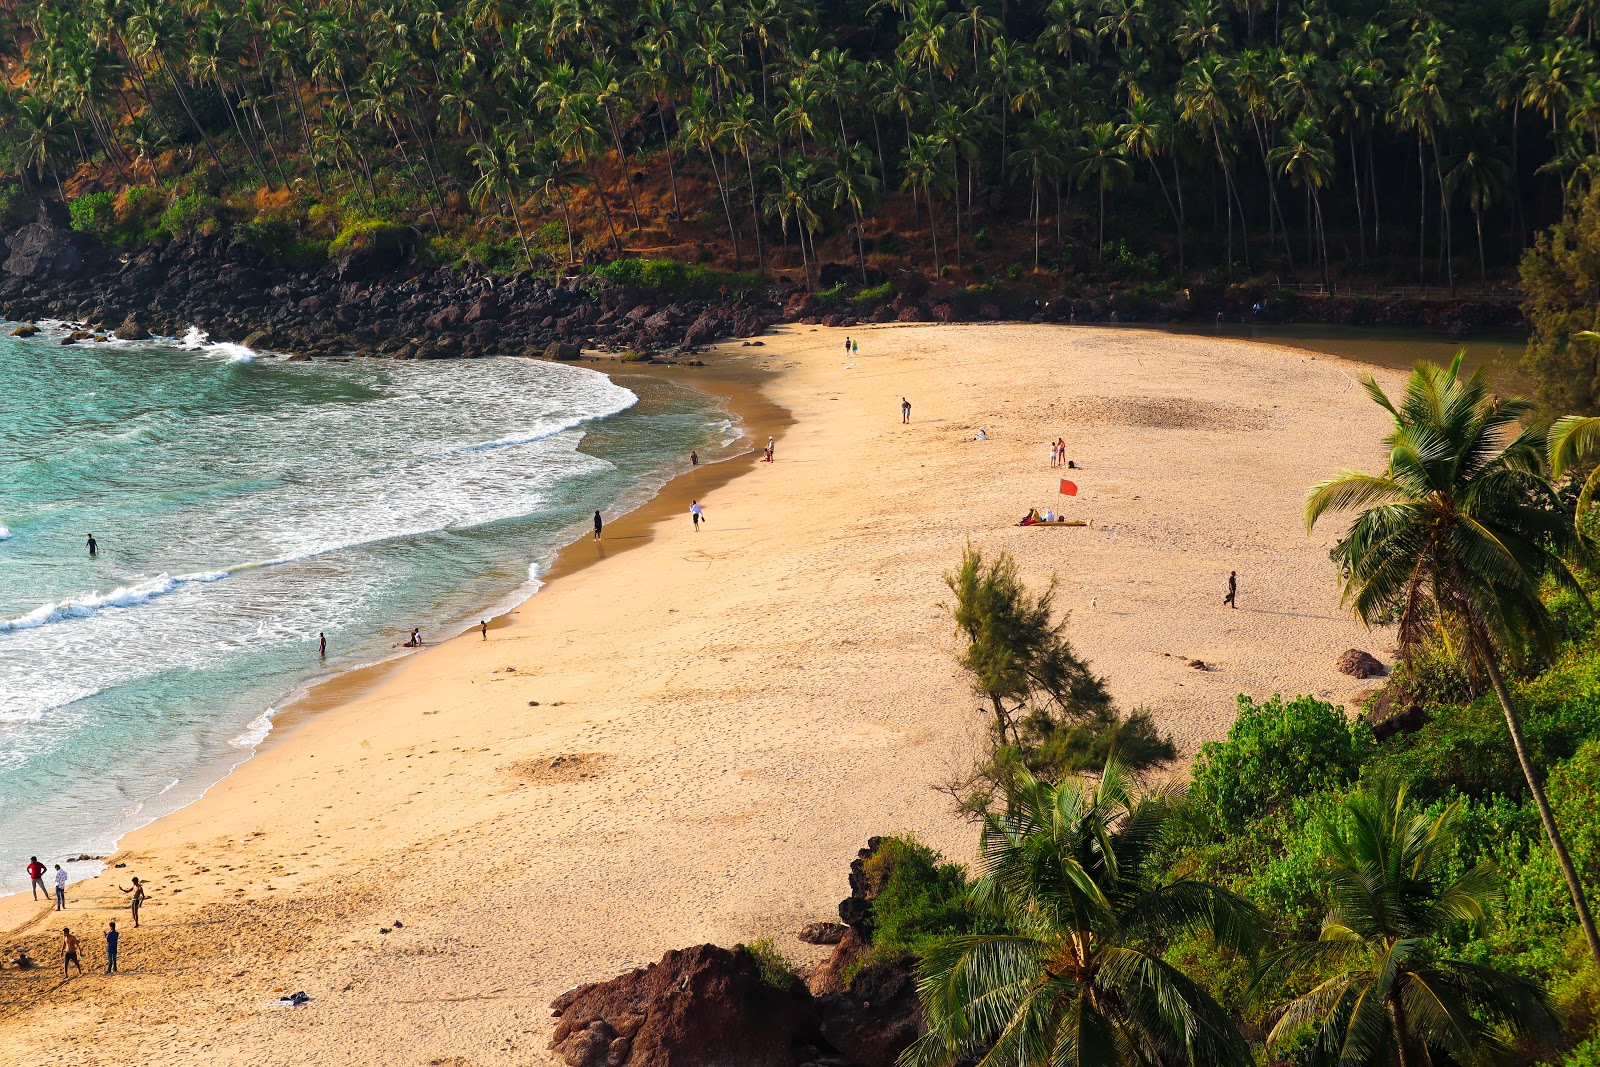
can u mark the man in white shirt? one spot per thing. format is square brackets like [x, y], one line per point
[61, 889]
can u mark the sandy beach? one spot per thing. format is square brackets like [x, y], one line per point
[688, 740]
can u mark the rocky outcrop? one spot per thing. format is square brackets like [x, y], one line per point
[43, 251]
[699, 1007]
[372, 300]
[1359, 664]
[877, 1017]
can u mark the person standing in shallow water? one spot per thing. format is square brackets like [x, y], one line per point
[1233, 590]
[94, 546]
[322, 645]
[598, 524]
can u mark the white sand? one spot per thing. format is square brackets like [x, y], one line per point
[749, 703]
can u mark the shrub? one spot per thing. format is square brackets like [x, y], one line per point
[875, 293]
[138, 204]
[668, 275]
[194, 213]
[282, 242]
[919, 898]
[1274, 752]
[94, 214]
[834, 295]
[776, 969]
[371, 235]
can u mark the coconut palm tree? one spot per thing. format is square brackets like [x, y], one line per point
[1070, 881]
[499, 163]
[1393, 996]
[1463, 521]
[1103, 160]
[852, 182]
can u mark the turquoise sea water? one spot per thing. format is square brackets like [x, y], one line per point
[242, 504]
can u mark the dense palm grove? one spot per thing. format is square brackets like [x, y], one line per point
[1407, 141]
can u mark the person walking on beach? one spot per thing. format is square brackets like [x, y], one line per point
[697, 514]
[483, 628]
[694, 459]
[905, 411]
[772, 447]
[598, 523]
[36, 878]
[138, 899]
[69, 952]
[322, 645]
[94, 546]
[847, 346]
[61, 889]
[112, 937]
[1233, 590]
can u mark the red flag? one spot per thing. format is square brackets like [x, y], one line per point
[1068, 488]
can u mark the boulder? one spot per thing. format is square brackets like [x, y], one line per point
[485, 309]
[877, 1018]
[827, 978]
[562, 350]
[823, 933]
[699, 1007]
[42, 250]
[707, 328]
[1359, 664]
[133, 330]
[911, 314]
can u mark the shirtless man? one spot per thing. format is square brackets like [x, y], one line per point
[69, 953]
[138, 899]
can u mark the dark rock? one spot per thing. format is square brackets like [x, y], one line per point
[878, 1017]
[132, 329]
[42, 251]
[911, 314]
[823, 933]
[828, 976]
[563, 351]
[699, 1007]
[1359, 664]
[1391, 711]
[25, 331]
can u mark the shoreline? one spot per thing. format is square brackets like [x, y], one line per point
[631, 529]
[689, 744]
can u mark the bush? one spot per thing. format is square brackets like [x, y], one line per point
[372, 235]
[138, 204]
[1275, 752]
[1559, 276]
[875, 293]
[668, 275]
[919, 899]
[94, 214]
[776, 969]
[194, 213]
[281, 241]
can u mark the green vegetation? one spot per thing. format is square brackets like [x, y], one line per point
[917, 899]
[1049, 714]
[1423, 898]
[1458, 534]
[1307, 141]
[669, 275]
[1071, 883]
[777, 970]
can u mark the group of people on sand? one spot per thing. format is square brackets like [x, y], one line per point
[71, 948]
[1058, 455]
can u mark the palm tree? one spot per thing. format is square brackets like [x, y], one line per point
[1102, 159]
[554, 174]
[1070, 877]
[1306, 156]
[1145, 135]
[852, 182]
[1463, 521]
[742, 127]
[1392, 996]
[499, 163]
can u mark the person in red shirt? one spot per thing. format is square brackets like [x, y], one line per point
[36, 876]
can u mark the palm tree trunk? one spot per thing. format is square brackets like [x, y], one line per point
[727, 205]
[622, 165]
[1361, 212]
[1422, 216]
[1483, 266]
[1580, 902]
[672, 173]
[605, 206]
[755, 215]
